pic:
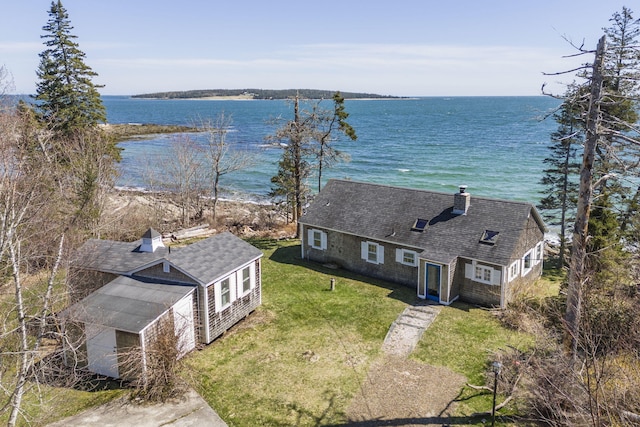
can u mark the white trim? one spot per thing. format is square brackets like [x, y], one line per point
[205, 306]
[471, 271]
[539, 252]
[240, 280]
[514, 270]
[400, 254]
[526, 269]
[311, 232]
[379, 252]
[360, 236]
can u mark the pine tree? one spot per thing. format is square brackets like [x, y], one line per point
[68, 99]
[69, 106]
[562, 168]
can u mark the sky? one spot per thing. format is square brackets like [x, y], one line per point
[399, 47]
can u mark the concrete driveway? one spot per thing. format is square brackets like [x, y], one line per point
[191, 410]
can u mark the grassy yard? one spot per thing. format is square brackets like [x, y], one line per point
[464, 338]
[302, 356]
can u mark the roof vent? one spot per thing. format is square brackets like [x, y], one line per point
[151, 240]
[461, 201]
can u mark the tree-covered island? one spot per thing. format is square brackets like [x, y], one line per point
[260, 94]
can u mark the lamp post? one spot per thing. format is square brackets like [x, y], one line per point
[496, 367]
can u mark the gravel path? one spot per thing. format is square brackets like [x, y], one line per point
[407, 329]
[399, 391]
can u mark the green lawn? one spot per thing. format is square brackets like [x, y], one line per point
[301, 356]
[464, 338]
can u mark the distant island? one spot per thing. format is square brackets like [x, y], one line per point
[259, 94]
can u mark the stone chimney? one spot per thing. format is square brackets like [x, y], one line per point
[151, 240]
[461, 201]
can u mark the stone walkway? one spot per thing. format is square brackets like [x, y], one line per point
[407, 329]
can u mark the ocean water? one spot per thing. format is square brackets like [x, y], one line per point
[494, 145]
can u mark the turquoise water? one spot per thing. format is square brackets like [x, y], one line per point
[494, 145]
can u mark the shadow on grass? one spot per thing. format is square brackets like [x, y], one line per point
[291, 255]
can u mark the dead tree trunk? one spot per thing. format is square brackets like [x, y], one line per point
[578, 256]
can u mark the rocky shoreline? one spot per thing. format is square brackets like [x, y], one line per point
[127, 213]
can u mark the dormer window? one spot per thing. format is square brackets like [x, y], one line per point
[420, 225]
[489, 237]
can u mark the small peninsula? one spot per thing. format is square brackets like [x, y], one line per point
[259, 94]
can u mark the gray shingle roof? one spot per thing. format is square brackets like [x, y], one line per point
[209, 259]
[116, 257]
[387, 213]
[205, 261]
[127, 304]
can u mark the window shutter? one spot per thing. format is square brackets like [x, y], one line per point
[399, 256]
[496, 275]
[380, 254]
[310, 237]
[468, 271]
[364, 250]
[323, 238]
[216, 295]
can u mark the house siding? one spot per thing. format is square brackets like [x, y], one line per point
[476, 292]
[345, 251]
[219, 322]
[529, 239]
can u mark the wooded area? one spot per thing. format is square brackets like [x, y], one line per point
[260, 94]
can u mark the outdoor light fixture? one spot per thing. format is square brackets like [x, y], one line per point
[495, 367]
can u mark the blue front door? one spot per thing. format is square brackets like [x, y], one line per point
[432, 280]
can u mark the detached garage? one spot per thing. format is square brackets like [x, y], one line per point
[117, 324]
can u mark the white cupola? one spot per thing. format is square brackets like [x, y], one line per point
[151, 240]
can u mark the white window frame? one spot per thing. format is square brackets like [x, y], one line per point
[225, 284]
[514, 270]
[401, 255]
[315, 235]
[375, 256]
[479, 272]
[232, 292]
[243, 280]
[526, 269]
[539, 252]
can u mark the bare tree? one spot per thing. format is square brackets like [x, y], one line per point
[183, 174]
[223, 156]
[25, 192]
[578, 255]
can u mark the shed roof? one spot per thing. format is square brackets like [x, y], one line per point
[128, 304]
[204, 261]
[389, 214]
[209, 259]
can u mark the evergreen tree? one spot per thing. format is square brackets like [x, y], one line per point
[330, 123]
[68, 99]
[622, 83]
[69, 106]
[308, 135]
[562, 168]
